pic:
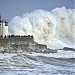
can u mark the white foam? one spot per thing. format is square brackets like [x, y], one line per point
[54, 27]
[59, 54]
[6, 55]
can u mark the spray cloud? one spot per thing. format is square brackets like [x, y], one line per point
[51, 28]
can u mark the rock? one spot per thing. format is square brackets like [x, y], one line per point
[68, 49]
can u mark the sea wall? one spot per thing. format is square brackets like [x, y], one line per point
[15, 39]
[24, 43]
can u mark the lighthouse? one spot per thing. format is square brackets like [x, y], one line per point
[3, 27]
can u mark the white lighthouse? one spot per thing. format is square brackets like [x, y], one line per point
[3, 27]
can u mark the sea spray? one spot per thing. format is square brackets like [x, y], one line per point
[55, 28]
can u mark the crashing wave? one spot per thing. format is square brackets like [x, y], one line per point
[55, 28]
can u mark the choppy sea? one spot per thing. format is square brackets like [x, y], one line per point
[61, 63]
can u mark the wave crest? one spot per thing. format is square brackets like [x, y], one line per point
[54, 28]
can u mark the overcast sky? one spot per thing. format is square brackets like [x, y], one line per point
[11, 8]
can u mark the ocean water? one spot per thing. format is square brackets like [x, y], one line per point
[60, 63]
[56, 29]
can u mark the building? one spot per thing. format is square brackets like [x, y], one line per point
[3, 27]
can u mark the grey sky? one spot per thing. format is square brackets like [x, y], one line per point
[11, 8]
